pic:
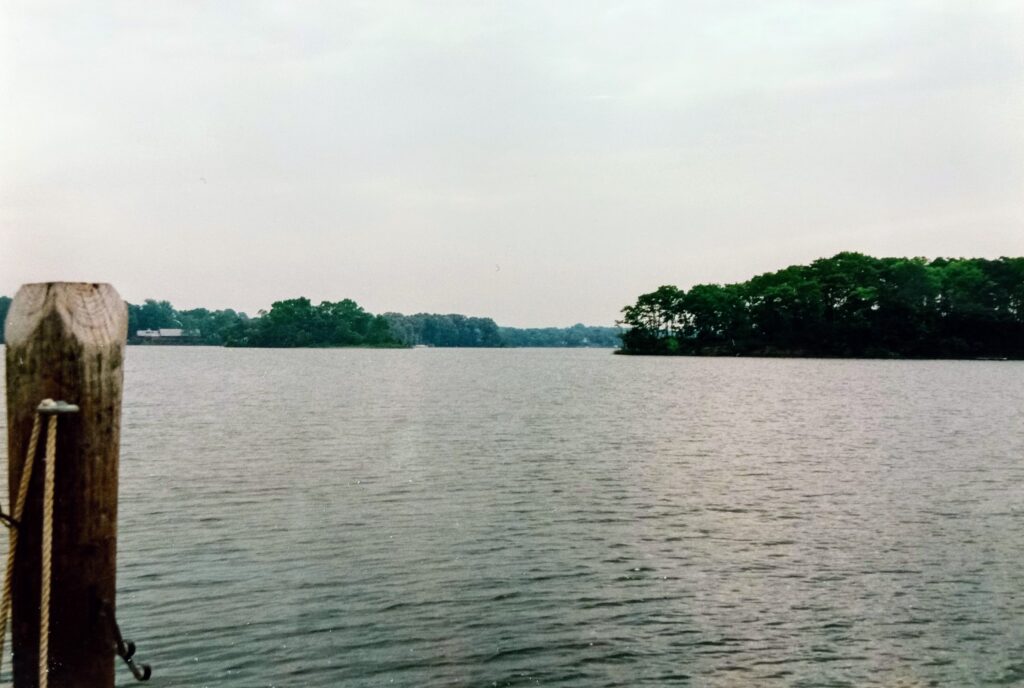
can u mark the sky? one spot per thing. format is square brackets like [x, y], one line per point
[542, 163]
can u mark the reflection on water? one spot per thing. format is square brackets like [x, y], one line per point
[570, 518]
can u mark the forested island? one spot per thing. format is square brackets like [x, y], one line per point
[299, 323]
[850, 305]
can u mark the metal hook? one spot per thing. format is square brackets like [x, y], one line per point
[8, 521]
[126, 648]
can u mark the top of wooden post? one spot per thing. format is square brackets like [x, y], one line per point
[66, 341]
[90, 312]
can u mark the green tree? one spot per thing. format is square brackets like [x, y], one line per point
[847, 305]
[5, 305]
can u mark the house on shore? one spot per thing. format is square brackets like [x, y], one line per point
[166, 335]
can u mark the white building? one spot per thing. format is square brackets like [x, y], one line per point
[166, 332]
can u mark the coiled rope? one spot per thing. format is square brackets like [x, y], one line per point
[47, 541]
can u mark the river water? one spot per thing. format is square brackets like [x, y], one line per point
[570, 518]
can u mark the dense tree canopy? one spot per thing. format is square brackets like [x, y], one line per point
[433, 329]
[847, 305]
[578, 335]
[460, 330]
[5, 304]
[288, 323]
[297, 322]
[208, 327]
[213, 327]
[151, 315]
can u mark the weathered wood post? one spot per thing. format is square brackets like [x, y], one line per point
[65, 341]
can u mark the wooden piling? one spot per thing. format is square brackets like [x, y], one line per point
[65, 341]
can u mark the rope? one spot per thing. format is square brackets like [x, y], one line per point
[19, 507]
[47, 542]
[125, 648]
[44, 594]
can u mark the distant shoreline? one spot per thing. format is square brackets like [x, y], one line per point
[402, 347]
[827, 357]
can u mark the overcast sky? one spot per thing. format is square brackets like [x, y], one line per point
[542, 163]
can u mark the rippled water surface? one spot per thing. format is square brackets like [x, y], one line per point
[570, 518]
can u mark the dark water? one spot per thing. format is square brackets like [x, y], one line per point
[570, 518]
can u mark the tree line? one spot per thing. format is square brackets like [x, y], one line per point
[5, 305]
[433, 329]
[299, 323]
[208, 327]
[578, 335]
[848, 305]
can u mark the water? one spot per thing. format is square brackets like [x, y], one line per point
[570, 518]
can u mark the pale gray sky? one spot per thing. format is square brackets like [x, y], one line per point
[542, 163]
